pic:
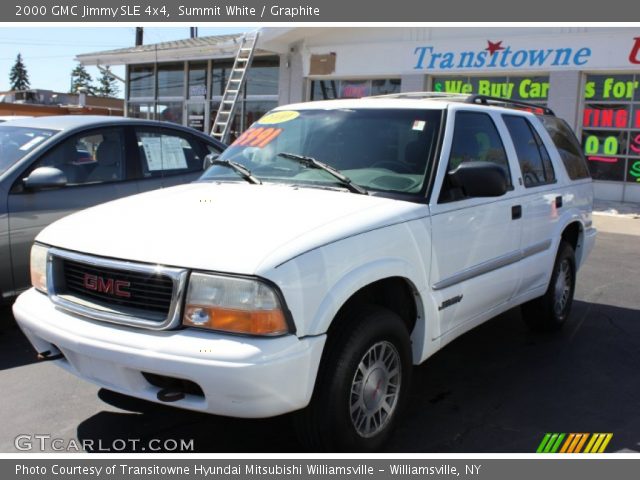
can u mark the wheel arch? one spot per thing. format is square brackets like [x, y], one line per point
[386, 283]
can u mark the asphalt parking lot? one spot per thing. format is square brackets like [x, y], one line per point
[498, 388]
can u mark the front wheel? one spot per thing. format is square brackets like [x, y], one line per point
[550, 312]
[362, 384]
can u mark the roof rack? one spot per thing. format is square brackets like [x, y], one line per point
[486, 100]
[469, 98]
[425, 95]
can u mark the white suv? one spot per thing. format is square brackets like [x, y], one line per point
[334, 245]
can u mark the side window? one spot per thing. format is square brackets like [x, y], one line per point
[568, 147]
[533, 157]
[168, 153]
[475, 138]
[94, 157]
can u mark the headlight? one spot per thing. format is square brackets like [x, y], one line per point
[39, 267]
[237, 305]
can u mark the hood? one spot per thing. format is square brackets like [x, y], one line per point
[226, 227]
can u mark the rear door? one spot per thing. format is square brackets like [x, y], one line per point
[476, 241]
[96, 167]
[168, 157]
[542, 200]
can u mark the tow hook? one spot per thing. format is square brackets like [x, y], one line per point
[169, 395]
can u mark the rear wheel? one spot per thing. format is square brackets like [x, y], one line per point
[362, 384]
[551, 311]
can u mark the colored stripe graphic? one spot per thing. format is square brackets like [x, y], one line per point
[574, 443]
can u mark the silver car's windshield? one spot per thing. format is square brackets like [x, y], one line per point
[16, 142]
[388, 150]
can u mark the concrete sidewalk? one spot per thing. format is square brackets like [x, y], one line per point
[617, 217]
[604, 207]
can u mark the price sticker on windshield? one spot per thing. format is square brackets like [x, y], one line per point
[279, 117]
[258, 137]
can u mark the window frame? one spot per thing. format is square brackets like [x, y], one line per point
[201, 150]
[539, 143]
[129, 172]
[447, 160]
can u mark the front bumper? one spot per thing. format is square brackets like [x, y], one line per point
[239, 376]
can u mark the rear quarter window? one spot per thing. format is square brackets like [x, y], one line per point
[568, 146]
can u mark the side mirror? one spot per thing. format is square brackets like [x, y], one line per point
[209, 159]
[45, 177]
[479, 179]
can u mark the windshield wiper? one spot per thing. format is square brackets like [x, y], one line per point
[311, 162]
[238, 168]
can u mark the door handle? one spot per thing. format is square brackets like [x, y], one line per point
[516, 212]
[559, 201]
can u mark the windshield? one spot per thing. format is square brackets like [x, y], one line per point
[378, 149]
[16, 142]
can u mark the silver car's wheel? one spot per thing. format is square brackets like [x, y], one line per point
[375, 389]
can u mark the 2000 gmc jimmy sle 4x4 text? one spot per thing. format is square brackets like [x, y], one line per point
[334, 245]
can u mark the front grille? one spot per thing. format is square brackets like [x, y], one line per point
[116, 291]
[146, 291]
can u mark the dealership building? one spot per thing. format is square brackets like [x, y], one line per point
[589, 76]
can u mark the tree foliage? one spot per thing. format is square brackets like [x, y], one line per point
[18, 77]
[107, 84]
[81, 79]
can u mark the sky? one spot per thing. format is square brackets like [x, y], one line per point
[48, 53]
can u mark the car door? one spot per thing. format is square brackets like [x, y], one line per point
[168, 157]
[6, 277]
[541, 200]
[94, 163]
[475, 241]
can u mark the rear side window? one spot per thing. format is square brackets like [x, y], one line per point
[568, 147]
[533, 157]
[166, 153]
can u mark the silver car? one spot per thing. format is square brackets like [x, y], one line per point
[53, 166]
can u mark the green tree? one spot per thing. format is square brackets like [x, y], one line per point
[18, 77]
[107, 84]
[80, 78]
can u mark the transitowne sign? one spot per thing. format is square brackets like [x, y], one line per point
[541, 53]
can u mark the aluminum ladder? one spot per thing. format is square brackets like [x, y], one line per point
[224, 118]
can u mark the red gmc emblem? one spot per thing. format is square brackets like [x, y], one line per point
[106, 285]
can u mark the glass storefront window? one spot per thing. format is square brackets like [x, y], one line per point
[254, 109]
[169, 112]
[533, 89]
[171, 80]
[141, 110]
[324, 89]
[219, 75]
[141, 81]
[197, 80]
[331, 89]
[262, 77]
[385, 87]
[355, 88]
[611, 127]
[196, 114]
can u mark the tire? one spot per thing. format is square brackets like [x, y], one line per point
[550, 312]
[362, 384]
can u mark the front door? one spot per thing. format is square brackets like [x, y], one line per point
[94, 163]
[476, 241]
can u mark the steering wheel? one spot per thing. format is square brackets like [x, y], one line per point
[396, 167]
